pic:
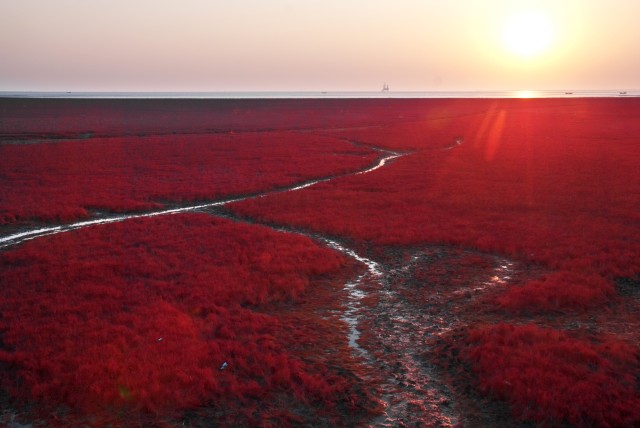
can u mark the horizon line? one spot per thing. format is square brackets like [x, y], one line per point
[288, 94]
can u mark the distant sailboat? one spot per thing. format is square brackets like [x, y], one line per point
[385, 88]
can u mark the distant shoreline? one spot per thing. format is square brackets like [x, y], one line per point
[326, 95]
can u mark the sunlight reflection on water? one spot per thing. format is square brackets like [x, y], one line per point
[527, 94]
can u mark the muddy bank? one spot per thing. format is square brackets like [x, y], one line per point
[421, 295]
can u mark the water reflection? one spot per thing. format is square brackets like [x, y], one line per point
[527, 94]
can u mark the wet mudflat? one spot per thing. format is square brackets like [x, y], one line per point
[414, 297]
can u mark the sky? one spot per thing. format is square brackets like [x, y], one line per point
[318, 45]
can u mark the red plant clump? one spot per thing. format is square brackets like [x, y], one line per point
[559, 292]
[552, 378]
[61, 181]
[142, 315]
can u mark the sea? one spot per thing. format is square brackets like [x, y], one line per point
[329, 94]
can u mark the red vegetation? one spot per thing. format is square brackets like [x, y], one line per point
[553, 182]
[548, 182]
[535, 193]
[82, 118]
[559, 292]
[552, 378]
[141, 315]
[61, 181]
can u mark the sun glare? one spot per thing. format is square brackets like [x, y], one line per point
[527, 34]
[525, 94]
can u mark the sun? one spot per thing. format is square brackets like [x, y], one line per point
[528, 34]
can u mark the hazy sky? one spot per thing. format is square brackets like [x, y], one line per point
[244, 45]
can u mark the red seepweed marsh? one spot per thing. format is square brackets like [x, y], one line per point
[487, 271]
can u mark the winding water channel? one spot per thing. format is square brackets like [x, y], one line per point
[17, 238]
[411, 393]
